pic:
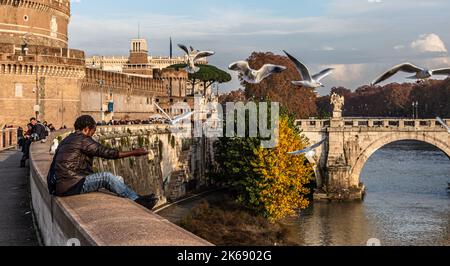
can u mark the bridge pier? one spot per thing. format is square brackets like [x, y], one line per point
[338, 186]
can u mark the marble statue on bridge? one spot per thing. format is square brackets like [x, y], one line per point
[338, 103]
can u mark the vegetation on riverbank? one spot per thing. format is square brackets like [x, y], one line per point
[223, 222]
[270, 182]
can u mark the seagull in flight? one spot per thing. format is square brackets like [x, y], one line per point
[177, 119]
[308, 81]
[310, 150]
[442, 122]
[253, 76]
[419, 73]
[193, 56]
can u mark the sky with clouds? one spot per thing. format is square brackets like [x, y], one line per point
[360, 38]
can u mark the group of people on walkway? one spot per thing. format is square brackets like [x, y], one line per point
[36, 131]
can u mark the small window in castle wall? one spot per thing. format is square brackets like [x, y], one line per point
[19, 90]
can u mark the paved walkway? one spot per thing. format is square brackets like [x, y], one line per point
[16, 224]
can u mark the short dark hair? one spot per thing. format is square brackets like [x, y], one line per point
[32, 119]
[85, 121]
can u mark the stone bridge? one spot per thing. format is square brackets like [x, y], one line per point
[352, 141]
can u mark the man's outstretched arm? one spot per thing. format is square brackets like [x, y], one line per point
[93, 148]
[133, 153]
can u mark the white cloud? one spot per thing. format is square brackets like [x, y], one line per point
[325, 48]
[429, 43]
[399, 47]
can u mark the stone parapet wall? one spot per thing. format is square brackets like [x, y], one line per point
[96, 219]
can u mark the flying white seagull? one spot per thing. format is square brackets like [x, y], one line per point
[193, 56]
[442, 122]
[177, 119]
[419, 73]
[309, 150]
[253, 76]
[308, 81]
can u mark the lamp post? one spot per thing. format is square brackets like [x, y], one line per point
[417, 110]
[102, 113]
[24, 51]
[415, 106]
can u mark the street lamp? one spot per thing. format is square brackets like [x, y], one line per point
[100, 83]
[417, 110]
[415, 106]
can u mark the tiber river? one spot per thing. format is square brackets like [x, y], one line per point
[407, 203]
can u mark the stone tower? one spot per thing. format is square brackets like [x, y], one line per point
[138, 63]
[45, 20]
[39, 76]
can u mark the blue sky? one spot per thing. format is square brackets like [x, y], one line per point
[360, 38]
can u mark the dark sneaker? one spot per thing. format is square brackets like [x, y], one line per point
[148, 202]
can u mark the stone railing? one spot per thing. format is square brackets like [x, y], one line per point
[96, 219]
[318, 124]
[388, 123]
[8, 138]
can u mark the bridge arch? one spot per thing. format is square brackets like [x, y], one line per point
[432, 139]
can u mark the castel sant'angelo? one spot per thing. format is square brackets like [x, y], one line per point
[40, 76]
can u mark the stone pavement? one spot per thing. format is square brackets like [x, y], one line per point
[16, 223]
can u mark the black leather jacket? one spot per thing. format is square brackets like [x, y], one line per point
[74, 161]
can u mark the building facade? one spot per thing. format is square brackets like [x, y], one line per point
[41, 77]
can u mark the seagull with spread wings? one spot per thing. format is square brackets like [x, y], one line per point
[253, 76]
[310, 149]
[419, 73]
[308, 81]
[442, 122]
[177, 119]
[193, 56]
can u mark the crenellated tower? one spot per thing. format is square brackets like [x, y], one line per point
[43, 22]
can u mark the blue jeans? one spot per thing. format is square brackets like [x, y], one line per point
[110, 182]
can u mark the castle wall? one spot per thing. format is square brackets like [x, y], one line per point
[46, 76]
[133, 96]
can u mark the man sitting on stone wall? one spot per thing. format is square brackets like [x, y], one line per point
[73, 166]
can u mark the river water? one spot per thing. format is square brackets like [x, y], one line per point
[407, 203]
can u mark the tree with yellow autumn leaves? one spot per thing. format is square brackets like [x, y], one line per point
[268, 181]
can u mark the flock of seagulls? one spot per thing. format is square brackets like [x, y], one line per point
[256, 76]
[253, 76]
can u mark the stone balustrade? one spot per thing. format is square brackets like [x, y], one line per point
[373, 123]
